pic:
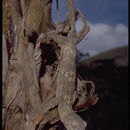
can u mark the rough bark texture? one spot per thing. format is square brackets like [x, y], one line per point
[42, 86]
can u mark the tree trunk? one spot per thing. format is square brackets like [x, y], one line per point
[42, 86]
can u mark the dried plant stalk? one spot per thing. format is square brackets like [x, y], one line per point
[42, 86]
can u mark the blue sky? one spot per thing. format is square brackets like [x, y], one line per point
[104, 11]
[108, 20]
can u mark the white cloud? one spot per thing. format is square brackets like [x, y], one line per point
[102, 37]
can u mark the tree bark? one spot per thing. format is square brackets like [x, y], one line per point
[42, 86]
